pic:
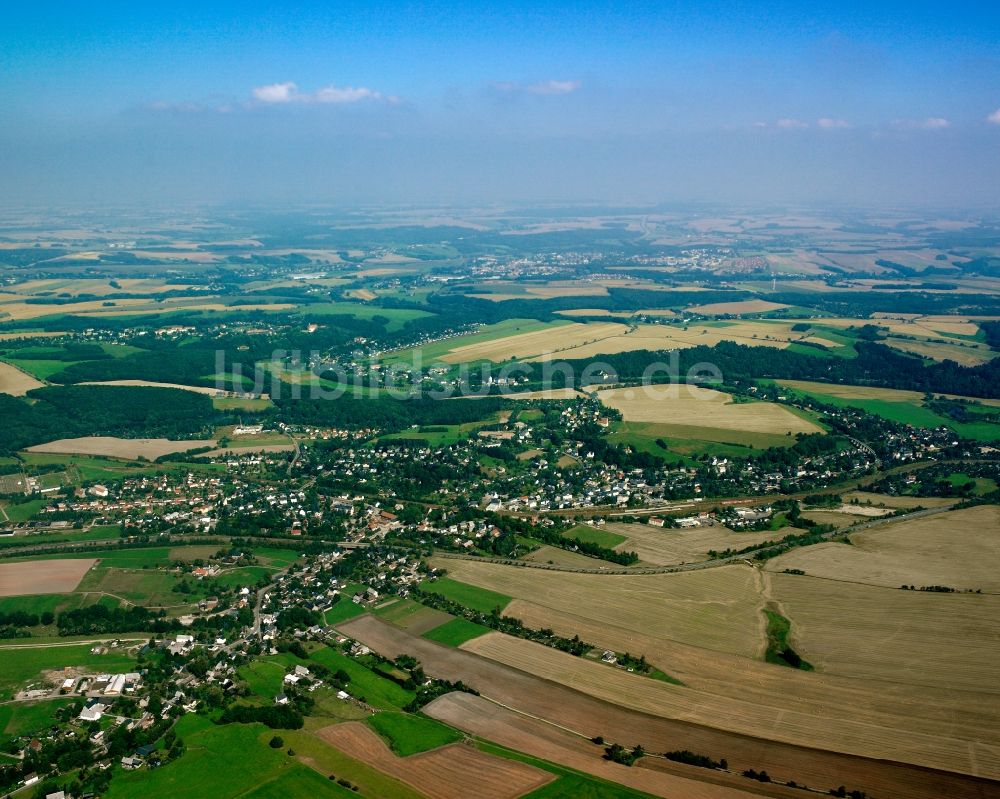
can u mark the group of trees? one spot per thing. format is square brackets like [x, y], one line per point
[55, 412]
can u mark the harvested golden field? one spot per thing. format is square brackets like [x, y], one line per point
[126, 448]
[746, 306]
[664, 546]
[43, 576]
[18, 310]
[211, 392]
[362, 294]
[545, 394]
[808, 708]
[703, 407]
[15, 382]
[895, 502]
[959, 549]
[939, 728]
[714, 608]
[566, 559]
[488, 720]
[832, 727]
[912, 325]
[451, 772]
[965, 354]
[590, 339]
[97, 287]
[526, 345]
[843, 391]
[949, 641]
[667, 337]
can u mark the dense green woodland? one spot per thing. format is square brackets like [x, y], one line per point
[876, 365]
[55, 412]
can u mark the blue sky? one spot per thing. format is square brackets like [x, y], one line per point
[827, 102]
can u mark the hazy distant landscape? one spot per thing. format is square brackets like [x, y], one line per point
[536, 401]
[477, 450]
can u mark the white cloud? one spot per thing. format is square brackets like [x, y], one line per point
[791, 124]
[347, 94]
[830, 124]
[994, 118]
[288, 92]
[934, 123]
[928, 123]
[554, 87]
[277, 93]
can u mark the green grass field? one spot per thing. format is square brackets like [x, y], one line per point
[455, 632]
[327, 760]
[909, 411]
[108, 532]
[237, 404]
[345, 609]
[221, 762]
[571, 784]
[428, 353]
[148, 587]
[42, 369]
[25, 718]
[365, 684]
[21, 666]
[23, 511]
[90, 468]
[441, 435]
[298, 781]
[595, 535]
[265, 675]
[984, 485]
[244, 576]
[687, 440]
[470, 596]
[276, 556]
[41, 603]
[407, 734]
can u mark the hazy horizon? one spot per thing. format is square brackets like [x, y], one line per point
[845, 104]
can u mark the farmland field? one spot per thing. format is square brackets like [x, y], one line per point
[715, 609]
[931, 639]
[564, 558]
[551, 339]
[455, 632]
[408, 734]
[42, 576]
[452, 773]
[897, 406]
[663, 546]
[485, 719]
[691, 406]
[471, 595]
[939, 740]
[742, 307]
[411, 615]
[959, 549]
[126, 448]
[16, 382]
